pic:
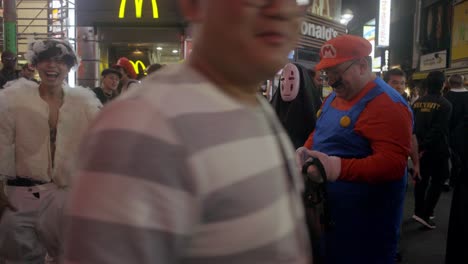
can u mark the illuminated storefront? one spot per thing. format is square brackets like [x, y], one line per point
[433, 38]
[315, 30]
[144, 31]
[459, 44]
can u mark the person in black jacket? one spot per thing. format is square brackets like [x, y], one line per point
[431, 117]
[457, 237]
[458, 97]
[296, 102]
[108, 89]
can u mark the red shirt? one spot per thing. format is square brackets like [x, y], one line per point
[389, 137]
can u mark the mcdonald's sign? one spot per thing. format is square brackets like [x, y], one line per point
[137, 63]
[138, 8]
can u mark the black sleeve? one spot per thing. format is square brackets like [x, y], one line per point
[435, 139]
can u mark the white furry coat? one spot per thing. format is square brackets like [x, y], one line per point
[25, 136]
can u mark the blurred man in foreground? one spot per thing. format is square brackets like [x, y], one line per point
[194, 166]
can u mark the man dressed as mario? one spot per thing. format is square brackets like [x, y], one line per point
[362, 138]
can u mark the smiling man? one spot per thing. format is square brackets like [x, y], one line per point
[41, 126]
[109, 83]
[194, 166]
[362, 137]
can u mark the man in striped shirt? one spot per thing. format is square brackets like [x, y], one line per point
[194, 167]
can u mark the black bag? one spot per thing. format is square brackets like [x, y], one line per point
[316, 206]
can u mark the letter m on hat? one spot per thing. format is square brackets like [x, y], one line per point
[328, 52]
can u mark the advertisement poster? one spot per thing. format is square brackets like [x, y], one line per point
[435, 31]
[459, 56]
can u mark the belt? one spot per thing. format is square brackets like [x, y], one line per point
[24, 182]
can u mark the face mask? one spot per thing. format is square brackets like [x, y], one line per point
[289, 82]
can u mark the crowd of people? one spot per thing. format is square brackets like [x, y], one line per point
[192, 165]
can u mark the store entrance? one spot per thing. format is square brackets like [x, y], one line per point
[142, 55]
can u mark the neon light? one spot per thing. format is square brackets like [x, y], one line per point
[136, 64]
[154, 4]
[138, 8]
[123, 3]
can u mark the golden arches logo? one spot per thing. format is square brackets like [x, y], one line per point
[138, 8]
[137, 63]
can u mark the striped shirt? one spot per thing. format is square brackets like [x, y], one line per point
[178, 172]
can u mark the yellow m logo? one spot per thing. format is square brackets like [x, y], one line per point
[136, 64]
[138, 8]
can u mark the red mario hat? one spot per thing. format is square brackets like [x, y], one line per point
[127, 65]
[341, 49]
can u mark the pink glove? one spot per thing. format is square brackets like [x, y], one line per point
[331, 164]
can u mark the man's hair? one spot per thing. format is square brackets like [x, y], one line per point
[456, 81]
[394, 72]
[435, 82]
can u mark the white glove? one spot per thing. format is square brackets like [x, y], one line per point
[302, 155]
[331, 164]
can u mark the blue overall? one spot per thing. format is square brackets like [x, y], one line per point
[366, 216]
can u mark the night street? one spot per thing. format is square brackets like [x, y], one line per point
[418, 244]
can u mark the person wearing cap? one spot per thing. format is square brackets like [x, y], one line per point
[194, 166]
[41, 126]
[109, 84]
[8, 72]
[129, 75]
[363, 139]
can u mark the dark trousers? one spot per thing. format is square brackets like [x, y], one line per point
[456, 167]
[434, 170]
[457, 236]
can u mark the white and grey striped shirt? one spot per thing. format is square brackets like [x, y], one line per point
[179, 172]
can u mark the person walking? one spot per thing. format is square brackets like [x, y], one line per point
[431, 117]
[41, 126]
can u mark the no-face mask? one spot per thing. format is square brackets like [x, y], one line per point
[290, 82]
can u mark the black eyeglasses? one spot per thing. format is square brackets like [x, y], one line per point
[265, 3]
[336, 73]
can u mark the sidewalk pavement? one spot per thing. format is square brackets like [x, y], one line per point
[419, 244]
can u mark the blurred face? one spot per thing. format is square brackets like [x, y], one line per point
[246, 41]
[110, 82]
[124, 74]
[52, 71]
[344, 78]
[28, 72]
[398, 83]
[9, 61]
